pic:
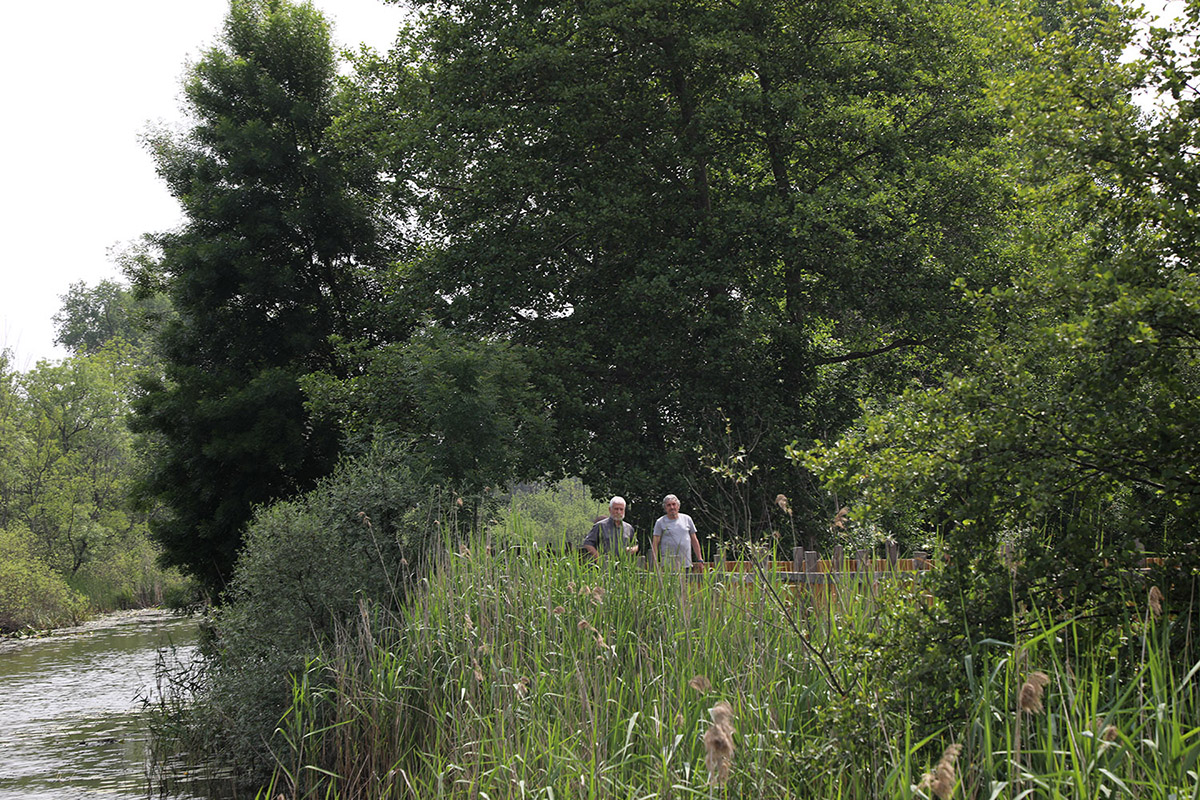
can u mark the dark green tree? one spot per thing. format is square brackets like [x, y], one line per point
[716, 223]
[265, 268]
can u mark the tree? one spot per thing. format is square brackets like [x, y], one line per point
[77, 460]
[1074, 432]
[263, 271]
[715, 223]
[93, 316]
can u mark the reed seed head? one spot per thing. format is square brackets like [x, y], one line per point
[1030, 697]
[559, 611]
[718, 743]
[784, 506]
[942, 779]
[700, 684]
[1156, 600]
[841, 519]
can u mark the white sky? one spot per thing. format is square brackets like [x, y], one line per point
[80, 80]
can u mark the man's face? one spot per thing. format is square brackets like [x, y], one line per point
[617, 511]
[672, 508]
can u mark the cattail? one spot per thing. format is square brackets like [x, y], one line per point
[942, 779]
[1030, 697]
[718, 743]
[700, 684]
[1156, 600]
[782, 501]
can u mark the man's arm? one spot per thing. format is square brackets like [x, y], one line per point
[591, 541]
[696, 543]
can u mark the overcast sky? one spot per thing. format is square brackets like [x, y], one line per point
[80, 80]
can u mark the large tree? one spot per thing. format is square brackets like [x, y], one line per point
[262, 272]
[713, 223]
[1074, 433]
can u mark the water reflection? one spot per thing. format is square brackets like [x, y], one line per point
[69, 707]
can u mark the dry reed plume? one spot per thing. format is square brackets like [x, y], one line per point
[718, 743]
[1030, 698]
[782, 501]
[700, 684]
[841, 519]
[1155, 600]
[942, 779]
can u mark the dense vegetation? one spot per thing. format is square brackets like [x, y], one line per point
[72, 541]
[832, 272]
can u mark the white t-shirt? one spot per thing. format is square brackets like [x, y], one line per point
[675, 546]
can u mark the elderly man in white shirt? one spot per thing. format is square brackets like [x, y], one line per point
[674, 538]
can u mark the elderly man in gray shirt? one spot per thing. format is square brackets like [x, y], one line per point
[612, 533]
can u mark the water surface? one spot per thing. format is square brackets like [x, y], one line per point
[70, 707]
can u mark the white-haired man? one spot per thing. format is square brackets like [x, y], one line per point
[611, 534]
[674, 538]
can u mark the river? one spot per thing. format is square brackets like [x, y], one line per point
[70, 707]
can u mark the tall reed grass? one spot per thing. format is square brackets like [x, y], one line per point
[519, 676]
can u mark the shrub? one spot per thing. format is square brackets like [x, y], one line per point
[306, 566]
[31, 594]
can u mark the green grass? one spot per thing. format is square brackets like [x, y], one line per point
[516, 676]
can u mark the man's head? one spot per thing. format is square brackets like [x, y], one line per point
[616, 508]
[671, 506]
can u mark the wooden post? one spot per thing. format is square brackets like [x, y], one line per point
[811, 557]
[921, 559]
[838, 559]
[893, 553]
[797, 559]
[860, 559]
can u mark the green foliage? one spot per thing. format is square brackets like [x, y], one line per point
[1072, 431]
[468, 405]
[93, 317]
[309, 566]
[552, 517]
[694, 213]
[263, 271]
[32, 595]
[67, 462]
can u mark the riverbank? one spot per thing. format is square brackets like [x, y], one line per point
[94, 621]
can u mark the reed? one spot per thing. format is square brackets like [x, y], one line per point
[513, 675]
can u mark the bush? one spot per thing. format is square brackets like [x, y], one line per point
[306, 567]
[31, 594]
[553, 517]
